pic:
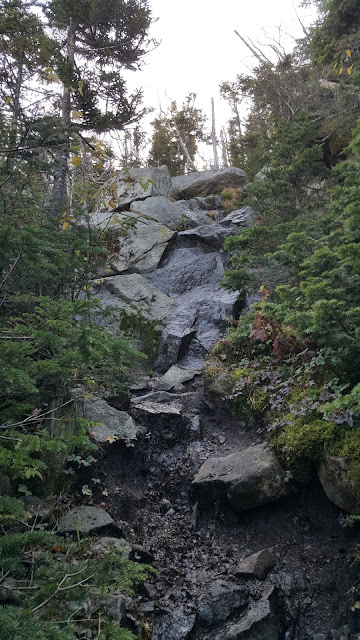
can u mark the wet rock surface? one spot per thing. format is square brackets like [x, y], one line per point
[199, 532]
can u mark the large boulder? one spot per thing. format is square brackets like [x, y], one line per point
[220, 601]
[174, 377]
[244, 217]
[205, 183]
[110, 424]
[133, 294]
[259, 623]
[334, 476]
[85, 520]
[129, 185]
[246, 479]
[175, 215]
[141, 246]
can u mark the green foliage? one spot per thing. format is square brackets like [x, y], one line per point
[174, 129]
[64, 575]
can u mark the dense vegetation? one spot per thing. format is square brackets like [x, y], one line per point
[293, 359]
[60, 87]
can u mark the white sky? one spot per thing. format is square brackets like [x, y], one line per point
[199, 48]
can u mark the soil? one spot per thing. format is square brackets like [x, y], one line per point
[147, 489]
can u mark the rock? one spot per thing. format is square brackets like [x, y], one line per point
[205, 183]
[212, 235]
[174, 626]
[261, 175]
[257, 565]
[192, 278]
[141, 385]
[106, 544]
[141, 248]
[129, 185]
[140, 554]
[210, 204]
[116, 606]
[333, 473]
[113, 424]
[174, 215]
[121, 401]
[162, 420]
[259, 623]
[85, 520]
[36, 507]
[222, 385]
[133, 294]
[9, 593]
[247, 479]
[244, 217]
[220, 601]
[173, 377]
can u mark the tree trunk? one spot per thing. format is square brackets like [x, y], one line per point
[61, 158]
[213, 135]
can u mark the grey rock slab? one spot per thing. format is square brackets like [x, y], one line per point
[176, 625]
[112, 424]
[173, 377]
[333, 473]
[165, 421]
[134, 294]
[247, 479]
[141, 247]
[259, 623]
[209, 203]
[257, 565]
[129, 185]
[210, 234]
[220, 601]
[245, 217]
[185, 269]
[205, 183]
[174, 215]
[85, 520]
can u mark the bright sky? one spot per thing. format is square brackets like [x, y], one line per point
[199, 48]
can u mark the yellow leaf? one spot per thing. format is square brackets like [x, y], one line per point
[341, 70]
[348, 53]
[111, 439]
[76, 161]
[112, 204]
[164, 231]
[349, 70]
[8, 100]
[100, 165]
[76, 114]
[262, 288]
[80, 87]
[65, 225]
[335, 65]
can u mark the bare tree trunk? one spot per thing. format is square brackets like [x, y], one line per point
[61, 158]
[213, 135]
[189, 161]
[224, 150]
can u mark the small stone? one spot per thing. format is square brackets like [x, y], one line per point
[85, 520]
[257, 565]
[150, 590]
[307, 601]
[222, 439]
[165, 505]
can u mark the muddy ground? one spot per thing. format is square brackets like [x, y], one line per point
[147, 489]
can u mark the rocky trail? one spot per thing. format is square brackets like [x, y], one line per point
[240, 554]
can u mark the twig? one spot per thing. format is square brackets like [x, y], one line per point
[33, 418]
[60, 588]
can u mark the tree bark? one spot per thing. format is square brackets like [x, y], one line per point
[61, 159]
[213, 135]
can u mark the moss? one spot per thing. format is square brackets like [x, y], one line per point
[300, 443]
